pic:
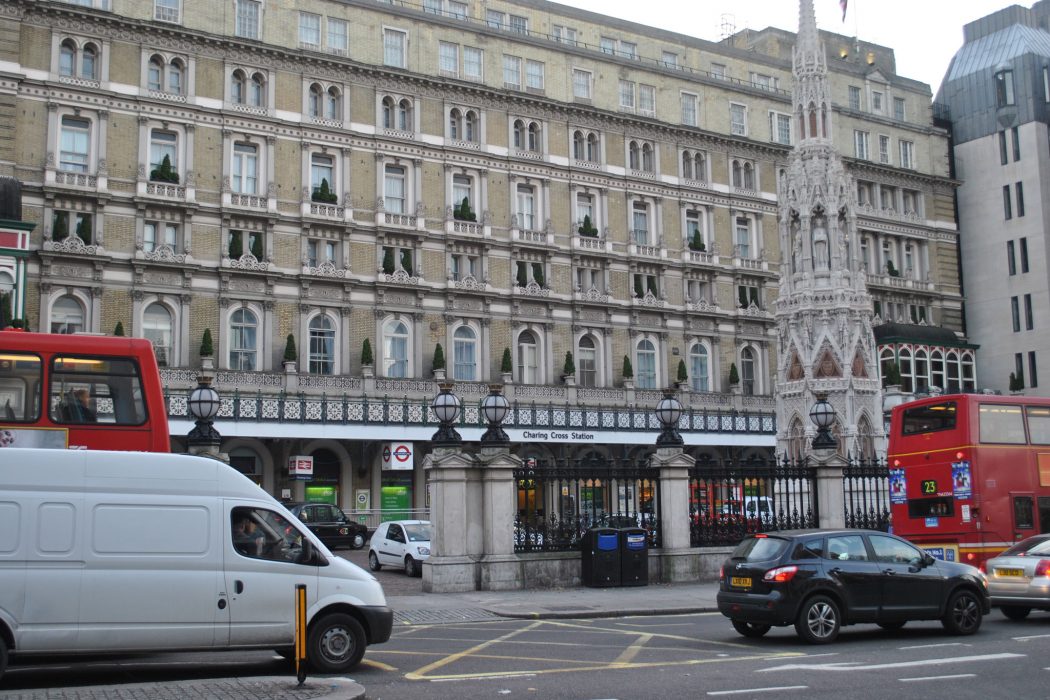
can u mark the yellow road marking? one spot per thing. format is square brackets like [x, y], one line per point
[632, 651]
[676, 637]
[420, 674]
[378, 665]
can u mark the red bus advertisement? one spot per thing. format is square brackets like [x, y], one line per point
[970, 473]
[80, 392]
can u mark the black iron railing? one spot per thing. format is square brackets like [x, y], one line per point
[866, 492]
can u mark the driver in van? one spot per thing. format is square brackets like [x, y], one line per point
[246, 537]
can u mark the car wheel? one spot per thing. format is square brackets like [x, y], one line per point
[412, 567]
[896, 625]
[1015, 612]
[963, 615]
[750, 629]
[373, 562]
[818, 621]
[358, 541]
[336, 643]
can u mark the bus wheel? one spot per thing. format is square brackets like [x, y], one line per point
[963, 615]
[336, 643]
[1015, 612]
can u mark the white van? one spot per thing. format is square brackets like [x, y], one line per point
[132, 551]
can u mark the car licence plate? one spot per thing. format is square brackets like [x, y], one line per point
[1009, 572]
[740, 582]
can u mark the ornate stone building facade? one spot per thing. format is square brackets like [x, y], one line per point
[505, 177]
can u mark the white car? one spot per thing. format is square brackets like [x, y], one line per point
[400, 543]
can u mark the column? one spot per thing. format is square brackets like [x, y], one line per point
[827, 468]
[499, 568]
[455, 513]
[678, 561]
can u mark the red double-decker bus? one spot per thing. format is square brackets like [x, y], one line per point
[970, 473]
[80, 392]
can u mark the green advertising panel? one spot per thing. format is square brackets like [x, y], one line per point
[321, 494]
[396, 502]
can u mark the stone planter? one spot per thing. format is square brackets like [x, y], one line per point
[507, 377]
[289, 366]
[628, 382]
[367, 371]
[208, 363]
[439, 375]
[569, 379]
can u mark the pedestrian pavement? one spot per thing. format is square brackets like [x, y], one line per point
[420, 608]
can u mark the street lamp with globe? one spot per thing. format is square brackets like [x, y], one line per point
[668, 411]
[823, 415]
[446, 407]
[495, 408]
[203, 405]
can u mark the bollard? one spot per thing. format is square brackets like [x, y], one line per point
[300, 632]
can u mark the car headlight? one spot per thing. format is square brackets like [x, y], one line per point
[424, 551]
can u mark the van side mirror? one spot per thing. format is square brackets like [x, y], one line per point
[310, 556]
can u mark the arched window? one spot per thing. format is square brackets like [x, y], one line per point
[648, 164]
[907, 372]
[464, 350]
[389, 118]
[89, 62]
[749, 177]
[333, 104]
[470, 127]
[922, 371]
[157, 328]
[698, 368]
[404, 115]
[313, 101]
[175, 73]
[155, 74]
[937, 369]
[593, 151]
[587, 363]
[322, 345]
[257, 91]
[953, 366]
[395, 350]
[747, 371]
[738, 179]
[796, 439]
[520, 137]
[534, 137]
[238, 87]
[646, 356]
[67, 315]
[244, 338]
[865, 439]
[528, 359]
[886, 360]
[969, 381]
[67, 59]
[633, 155]
[455, 121]
[687, 165]
[699, 167]
[579, 145]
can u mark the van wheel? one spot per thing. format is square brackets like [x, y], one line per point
[1015, 612]
[963, 615]
[750, 629]
[358, 542]
[373, 562]
[818, 620]
[412, 567]
[3, 656]
[336, 643]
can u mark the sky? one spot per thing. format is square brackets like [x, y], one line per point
[924, 34]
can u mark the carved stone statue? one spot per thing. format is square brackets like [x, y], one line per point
[820, 244]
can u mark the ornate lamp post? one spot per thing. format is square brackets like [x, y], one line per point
[495, 408]
[446, 407]
[823, 415]
[668, 411]
[204, 405]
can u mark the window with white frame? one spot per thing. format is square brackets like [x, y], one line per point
[628, 49]
[244, 170]
[164, 75]
[627, 95]
[511, 72]
[748, 375]
[495, 19]
[585, 146]
[640, 223]
[694, 235]
[67, 316]
[319, 252]
[432, 7]
[526, 207]
[876, 102]
[79, 59]
[160, 233]
[860, 144]
[395, 44]
[465, 355]
[565, 35]
[74, 144]
[587, 362]
[585, 212]
[528, 135]
[322, 177]
[248, 19]
[338, 41]
[898, 109]
[72, 223]
[534, 75]
[248, 89]
[645, 353]
[719, 71]
[463, 190]
[528, 358]
[458, 10]
[395, 349]
[690, 109]
[854, 97]
[244, 338]
[607, 45]
[167, 11]
[309, 30]
[397, 114]
[464, 125]
[737, 119]
[322, 345]
[581, 84]
[473, 63]
[158, 328]
[519, 24]
[780, 128]
[448, 59]
[669, 59]
[907, 153]
[394, 189]
[694, 166]
[590, 275]
[742, 174]
[699, 374]
[763, 81]
[884, 148]
[742, 236]
[647, 100]
[465, 265]
[240, 243]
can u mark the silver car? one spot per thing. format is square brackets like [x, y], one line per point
[1019, 578]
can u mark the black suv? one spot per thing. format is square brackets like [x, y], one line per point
[330, 525]
[819, 580]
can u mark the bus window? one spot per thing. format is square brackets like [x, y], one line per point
[1023, 513]
[931, 507]
[95, 390]
[20, 379]
[1039, 425]
[928, 418]
[1002, 424]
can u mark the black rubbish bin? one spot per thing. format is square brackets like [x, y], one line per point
[600, 557]
[634, 557]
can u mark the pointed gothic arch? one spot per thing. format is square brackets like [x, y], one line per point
[827, 365]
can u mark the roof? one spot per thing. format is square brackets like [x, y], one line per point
[997, 48]
[917, 333]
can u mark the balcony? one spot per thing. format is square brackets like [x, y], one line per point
[698, 257]
[591, 244]
[86, 182]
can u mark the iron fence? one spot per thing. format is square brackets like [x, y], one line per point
[558, 501]
[866, 493]
[730, 500]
